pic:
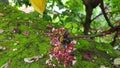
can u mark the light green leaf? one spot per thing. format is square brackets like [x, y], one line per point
[74, 30]
[68, 25]
[75, 25]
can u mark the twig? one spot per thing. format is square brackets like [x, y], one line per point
[104, 33]
[102, 14]
[96, 17]
[115, 38]
[105, 15]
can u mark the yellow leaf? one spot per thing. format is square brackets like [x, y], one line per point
[39, 5]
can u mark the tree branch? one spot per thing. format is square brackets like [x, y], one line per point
[104, 33]
[87, 23]
[102, 14]
[105, 15]
[96, 17]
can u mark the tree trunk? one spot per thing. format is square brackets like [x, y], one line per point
[87, 23]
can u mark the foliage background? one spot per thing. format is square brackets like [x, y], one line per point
[72, 18]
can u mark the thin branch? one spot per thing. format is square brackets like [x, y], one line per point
[96, 16]
[105, 15]
[102, 14]
[104, 33]
[115, 38]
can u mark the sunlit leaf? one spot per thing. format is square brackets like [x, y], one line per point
[39, 5]
[74, 30]
[68, 25]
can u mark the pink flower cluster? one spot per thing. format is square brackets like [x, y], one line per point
[54, 36]
[58, 52]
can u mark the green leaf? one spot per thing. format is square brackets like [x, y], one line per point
[68, 25]
[74, 30]
[75, 25]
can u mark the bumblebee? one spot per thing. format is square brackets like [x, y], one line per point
[64, 39]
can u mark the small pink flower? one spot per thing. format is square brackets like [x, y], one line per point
[73, 62]
[53, 29]
[48, 61]
[51, 56]
[61, 29]
[55, 41]
[73, 42]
